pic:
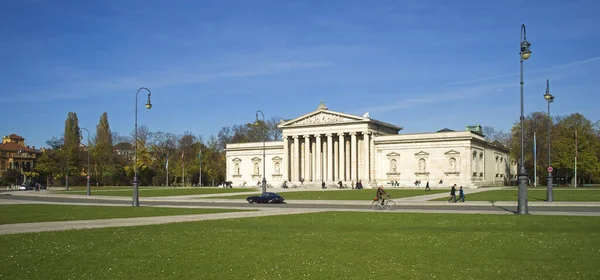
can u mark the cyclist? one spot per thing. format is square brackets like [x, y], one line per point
[380, 194]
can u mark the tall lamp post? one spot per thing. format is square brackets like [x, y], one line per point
[550, 98]
[522, 204]
[264, 180]
[136, 200]
[89, 192]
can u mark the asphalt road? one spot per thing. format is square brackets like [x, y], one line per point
[291, 204]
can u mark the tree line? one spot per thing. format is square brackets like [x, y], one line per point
[159, 154]
[571, 136]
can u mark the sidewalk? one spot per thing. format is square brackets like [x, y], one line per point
[422, 200]
[142, 221]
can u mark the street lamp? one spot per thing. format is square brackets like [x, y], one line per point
[264, 180]
[136, 200]
[89, 192]
[550, 98]
[522, 204]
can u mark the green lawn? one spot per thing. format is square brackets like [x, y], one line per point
[334, 245]
[364, 194]
[532, 195]
[154, 192]
[28, 213]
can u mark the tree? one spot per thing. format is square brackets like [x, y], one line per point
[49, 166]
[11, 176]
[71, 147]
[144, 159]
[103, 153]
[213, 161]
[493, 135]
[564, 147]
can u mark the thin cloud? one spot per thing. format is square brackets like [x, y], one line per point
[175, 77]
[457, 94]
[549, 69]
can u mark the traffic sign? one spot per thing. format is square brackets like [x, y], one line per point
[88, 176]
[550, 169]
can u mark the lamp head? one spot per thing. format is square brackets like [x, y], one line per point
[548, 96]
[148, 104]
[525, 51]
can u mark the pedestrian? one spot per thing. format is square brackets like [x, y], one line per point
[359, 185]
[461, 195]
[352, 184]
[323, 185]
[427, 186]
[453, 194]
[340, 183]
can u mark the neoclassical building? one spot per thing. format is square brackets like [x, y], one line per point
[329, 146]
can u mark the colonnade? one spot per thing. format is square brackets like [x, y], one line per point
[329, 157]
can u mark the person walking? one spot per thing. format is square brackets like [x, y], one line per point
[453, 194]
[427, 186]
[323, 185]
[461, 195]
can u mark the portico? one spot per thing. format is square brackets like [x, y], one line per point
[326, 146]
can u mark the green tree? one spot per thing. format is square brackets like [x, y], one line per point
[11, 176]
[565, 147]
[213, 161]
[103, 152]
[71, 147]
[49, 166]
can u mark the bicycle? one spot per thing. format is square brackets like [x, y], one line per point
[389, 204]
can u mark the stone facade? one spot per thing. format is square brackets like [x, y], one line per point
[328, 146]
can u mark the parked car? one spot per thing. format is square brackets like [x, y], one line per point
[26, 187]
[268, 197]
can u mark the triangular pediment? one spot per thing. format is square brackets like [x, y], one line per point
[276, 158]
[422, 153]
[321, 117]
[393, 154]
[452, 152]
[237, 159]
[256, 159]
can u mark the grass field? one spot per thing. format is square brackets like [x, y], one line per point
[364, 194]
[154, 192]
[29, 213]
[533, 195]
[334, 245]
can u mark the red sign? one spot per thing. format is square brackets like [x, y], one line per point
[550, 169]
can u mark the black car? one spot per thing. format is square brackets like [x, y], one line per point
[266, 198]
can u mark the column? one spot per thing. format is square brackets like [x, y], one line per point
[313, 160]
[306, 158]
[286, 159]
[329, 157]
[353, 158]
[296, 163]
[347, 162]
[318, 158]
[366, 155]
[341, 158]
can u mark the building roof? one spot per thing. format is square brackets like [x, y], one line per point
[15, 137]
[14, 147]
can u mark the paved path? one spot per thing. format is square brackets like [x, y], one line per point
[141, 221]
[420, 204]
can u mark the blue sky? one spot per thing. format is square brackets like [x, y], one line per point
[424, 65]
